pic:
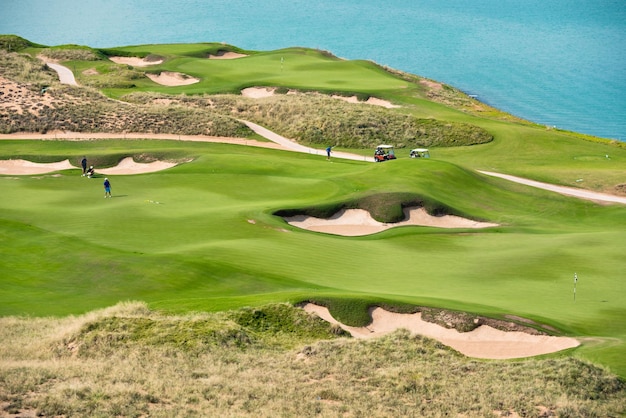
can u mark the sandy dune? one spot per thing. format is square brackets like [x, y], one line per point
[483, 342]
[357, 222]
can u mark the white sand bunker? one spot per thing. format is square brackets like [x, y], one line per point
[126, 166]
[262, 92]
[483, 342]
[227, 56]
[371, 101]
[356, 222]
[129, 166]
[168, 78]
[18, 167]
[135, 61]
[258, 92]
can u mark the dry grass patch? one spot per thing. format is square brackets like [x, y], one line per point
[128, 361]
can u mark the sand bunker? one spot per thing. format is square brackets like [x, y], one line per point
[18, 167]
[261, 92]
[168, 78]
[135, 61]
[483, 342]
[372, 101]
[126, 166]
[227, 56]
[258, 92]
[356, 222]
[129, 166]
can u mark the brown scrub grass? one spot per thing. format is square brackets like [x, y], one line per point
[80, 366]
[312, 118]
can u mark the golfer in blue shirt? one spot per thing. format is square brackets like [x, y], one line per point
[107, 188]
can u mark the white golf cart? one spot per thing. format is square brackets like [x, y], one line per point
[384, 153]
[419, 153]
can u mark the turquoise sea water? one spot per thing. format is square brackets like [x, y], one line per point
[555, 62]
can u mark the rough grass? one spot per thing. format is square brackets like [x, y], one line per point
[318, 120]
[28, 71]
[312, 119]
[72, 53]
[65, 108]
[167, 366]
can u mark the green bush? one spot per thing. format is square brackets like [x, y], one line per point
[13, 43]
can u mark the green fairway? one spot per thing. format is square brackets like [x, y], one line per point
[201, 236]
[204, 235]
[298, 68]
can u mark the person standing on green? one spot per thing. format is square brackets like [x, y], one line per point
[83, 163]
[107, 188]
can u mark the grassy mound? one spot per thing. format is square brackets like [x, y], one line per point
[319, 120]
[14, 43]
[384, 207]
[278, 326]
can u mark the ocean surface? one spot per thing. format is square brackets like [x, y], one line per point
[555, 62]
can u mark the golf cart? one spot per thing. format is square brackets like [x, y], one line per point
[384, 153]
[419, 153]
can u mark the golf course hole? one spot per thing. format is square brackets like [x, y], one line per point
[358, 222]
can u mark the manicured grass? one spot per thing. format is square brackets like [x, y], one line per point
[212, 243]
[291, 67]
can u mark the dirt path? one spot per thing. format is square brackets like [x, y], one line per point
[568, 191]
[66, 76]
[294, 146]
